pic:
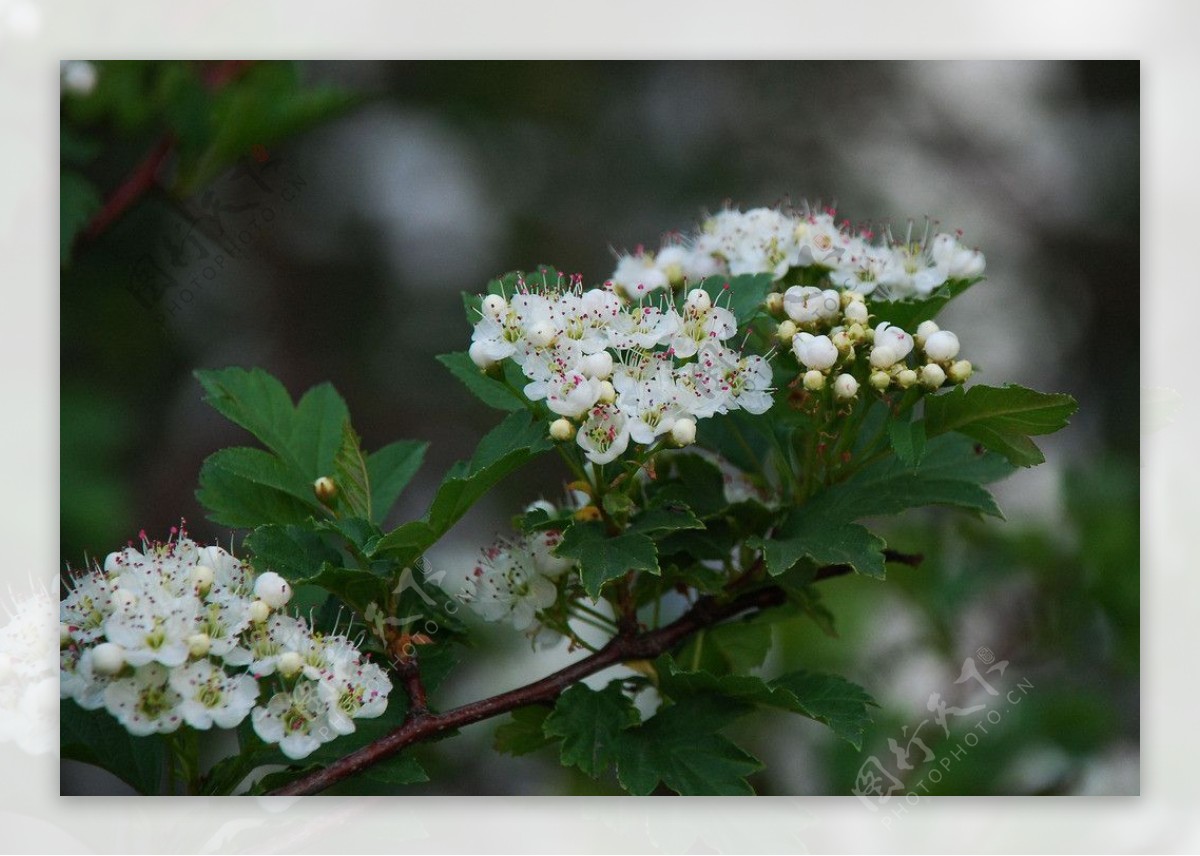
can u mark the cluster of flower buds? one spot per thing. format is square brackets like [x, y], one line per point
[828, 330]
[178, 633]
[779, 241]
[616, 371]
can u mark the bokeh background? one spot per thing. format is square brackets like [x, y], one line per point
[320, 219]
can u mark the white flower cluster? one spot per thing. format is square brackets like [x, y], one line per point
[516, 579]
[776, 241]
[627, 371]
[180, 634]
[826, 328]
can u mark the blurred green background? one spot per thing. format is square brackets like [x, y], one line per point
[320, 219]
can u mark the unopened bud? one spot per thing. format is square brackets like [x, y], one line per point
[880, 380]
[787, 331]
[775, 303]
[883, 357]
[608, 393]
[960, 371]
[856, 312]
[849, 297]
[857, 332]
[272, 589]
[479, 356]
[941, 346]
[924, 330]
[932, 376]
[598, 365]
[906, 378]
[842, 341]
[259, 612]
[108, 658]
[198, 645]
[542, 334]
[561, 429]
[845, 386]
[326, 489]
[289, 664]
[494, 306]
[683, 433]
[64, 635]
[814, 380]
[202, 578]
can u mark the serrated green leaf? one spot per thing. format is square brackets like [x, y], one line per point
[745, 295]
[239, 501]
[318, 430]
[511, 444]
[680, 748]
[356, 587]
[350, 475]
[390, 470]
[809, 533]
[294, 552]
[522, 733]
[1001, 418]
[908, 441]
[692, 481]
[589, 723]
[94, 737]
[398, 770]
[734, 647]
[603, 558]
[263, 468]
[668, 517]
[256, 401]
[486, 388]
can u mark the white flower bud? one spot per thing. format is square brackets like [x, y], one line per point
[198, 645]
[608, 393]
[272, 589]
[259, 612]
[775, 303]
[64, 635]
[478, 354]
[883, 357]
[289, 664]
[542, 334]
[786, 331]
[494, 306]
[814, 380]
[598, 365]
[880, 380]
[842, 341]
[202, 578]
[561, 429]
[941, 346]
[857, 332]
[697, 301]
[856, 312]
[845, 386]
[932, 376]
[906, 378]
[960, 371]
[815, 352]
[925, 330]
[683, 433]
[325, 489]
[108, 658]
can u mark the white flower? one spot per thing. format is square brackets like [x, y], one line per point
[298, 721]
[570, 394]
[941, 346]
[909, 271]
[542, 546]
[212, 697]
[604, 436]
[808, 304]
[819, 241]
[891, 336]
[651, 408]
[746, 381]
[155, 627]
[639, 275]
[145, 703]
[87, 605]
[643, 327]
[958, 261]
[506, 585]
[698, 326]
[815, 352]
[860, 267]
[356, 690]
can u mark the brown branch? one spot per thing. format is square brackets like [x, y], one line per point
[706, 612]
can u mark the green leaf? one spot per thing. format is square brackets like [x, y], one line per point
[908, 314]
[256, 401]
[486, 388]
[240, 501]
[810, 532]
[78, 200]
[263, 468]
[522, 733]
[356, 587]
[828, 699]
[94, 737]
[398, 770]
[668, 517]
[318, 430]
[350, 475]
[692, 481]
[602, 558]
[838, 703]
[511, 444]
[390, 470]
[1001, 418]
[908, 441]
[680, 748]
[294, 552]
[734, 647]
[743, 295]
[589, 723]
